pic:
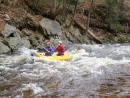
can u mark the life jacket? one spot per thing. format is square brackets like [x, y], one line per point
[60, 49]
[48, 51]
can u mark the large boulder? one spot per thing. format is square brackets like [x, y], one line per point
[16, 43]
[10, 31]
[51, 27]
[4, 48]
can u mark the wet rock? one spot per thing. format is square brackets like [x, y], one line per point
[27, 32]
[51, 27]
[16, 43]
[4, 48]
[9, 31]
[33, 41]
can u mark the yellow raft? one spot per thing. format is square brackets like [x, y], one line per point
[55, 57]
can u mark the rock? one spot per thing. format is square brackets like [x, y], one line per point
[16, 43]
[10, 31]
[52, 27]
[27, 32]
[4, 48]
[33, 41]
[40, 38]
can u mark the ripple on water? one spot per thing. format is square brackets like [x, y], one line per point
[96, 74]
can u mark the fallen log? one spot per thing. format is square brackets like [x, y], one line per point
[89, 32]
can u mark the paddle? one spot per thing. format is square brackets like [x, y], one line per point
[38, 55]
[46, 50]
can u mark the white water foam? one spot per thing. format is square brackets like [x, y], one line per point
[78, 77]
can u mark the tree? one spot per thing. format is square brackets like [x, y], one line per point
[64, 10]
[75, 3]
[89, 14]
[54, 4]
[112, 16]
[36, 3]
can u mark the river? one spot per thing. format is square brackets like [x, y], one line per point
[94, 71]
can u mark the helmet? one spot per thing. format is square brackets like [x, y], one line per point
[60, 42]
[48, 43]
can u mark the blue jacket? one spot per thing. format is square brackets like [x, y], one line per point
[48, 50]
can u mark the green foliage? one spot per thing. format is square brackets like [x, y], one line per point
[6, 2]
[117, 27]
[113, 2]
[123, 39]
[39, 3]
[119, 39]
[114, 24]
[76, 1]
[113, 18]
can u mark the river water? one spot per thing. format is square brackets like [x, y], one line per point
[94, 71]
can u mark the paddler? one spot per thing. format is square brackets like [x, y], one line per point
[60, 49]
[48, 49]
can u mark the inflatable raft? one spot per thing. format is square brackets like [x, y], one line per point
[55, 57]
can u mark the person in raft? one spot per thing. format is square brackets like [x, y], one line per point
[48, 49]
[60, 49]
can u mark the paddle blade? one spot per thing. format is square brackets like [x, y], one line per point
[38, 55]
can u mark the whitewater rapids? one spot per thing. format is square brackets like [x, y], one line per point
[94, 71]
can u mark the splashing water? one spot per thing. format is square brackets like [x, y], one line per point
[94, 71]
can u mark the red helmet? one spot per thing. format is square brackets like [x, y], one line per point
[48, 43]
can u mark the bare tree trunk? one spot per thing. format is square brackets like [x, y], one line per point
[59, 3]
[46, 2]
[54, 4]
[36, 3]
[95, 38]
[89, 14]
[64, 10]
[74, 15]
[83, 13]
[87, 31]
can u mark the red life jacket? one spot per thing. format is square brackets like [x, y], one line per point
[60, 48]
